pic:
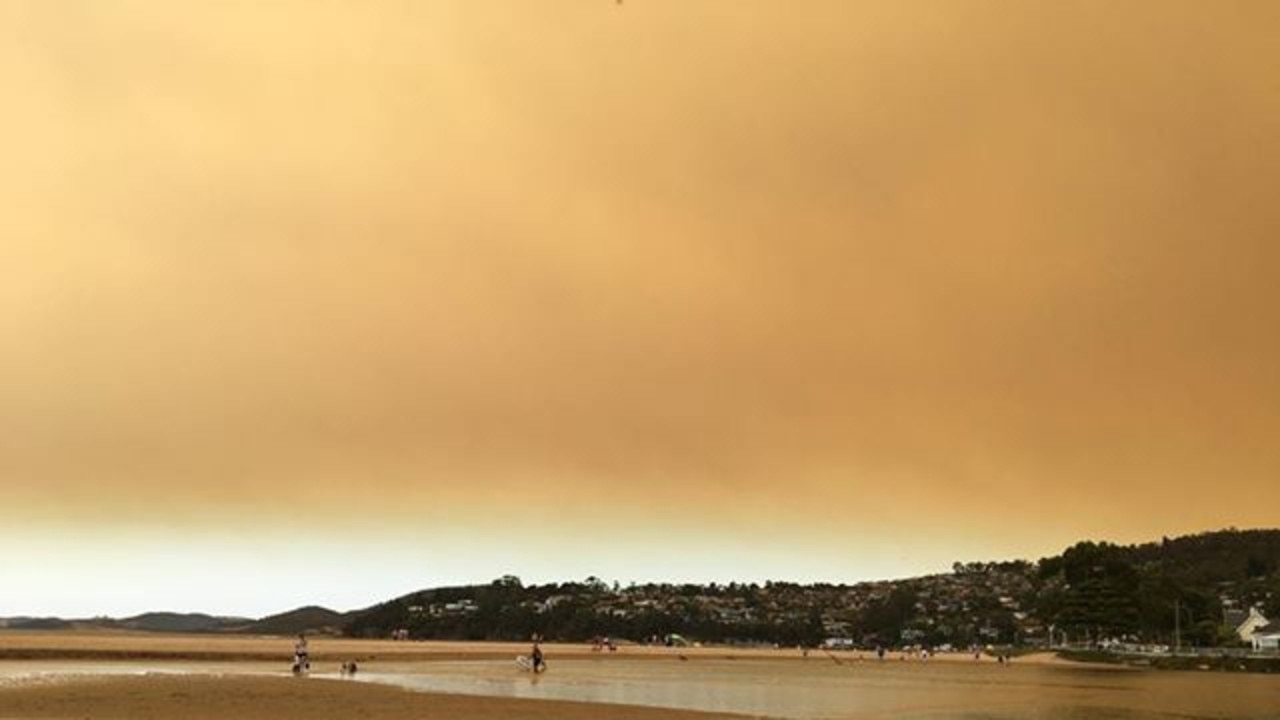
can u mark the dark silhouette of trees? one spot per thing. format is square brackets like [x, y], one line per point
[1095, 590]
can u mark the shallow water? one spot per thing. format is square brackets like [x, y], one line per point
[804, 690]
[816, 690]
[25, 672]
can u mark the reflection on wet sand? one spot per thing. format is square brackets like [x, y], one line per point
[868, 689]
[776, 688]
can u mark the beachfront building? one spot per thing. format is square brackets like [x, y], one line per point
[1266, 640]
[1246, 624]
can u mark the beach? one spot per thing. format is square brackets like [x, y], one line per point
[206, 697]
[330, 652]
[136, 675]
[143, 676]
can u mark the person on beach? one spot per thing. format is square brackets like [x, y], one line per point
[539, 665]
[301, 660]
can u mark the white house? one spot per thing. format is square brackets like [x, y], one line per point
[1247, 625]
[1266, 640]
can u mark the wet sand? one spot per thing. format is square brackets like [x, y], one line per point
[108, 674]
[205, 697]
[112, 676]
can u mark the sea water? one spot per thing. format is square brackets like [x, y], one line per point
[819, 689]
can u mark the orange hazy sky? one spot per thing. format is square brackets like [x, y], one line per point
[344, 299]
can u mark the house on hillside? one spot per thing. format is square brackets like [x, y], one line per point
[1245, 624]
[463, 606]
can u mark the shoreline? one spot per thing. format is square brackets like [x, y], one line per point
[458, 680]
[75, 645]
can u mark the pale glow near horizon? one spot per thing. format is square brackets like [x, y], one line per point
[46, 574]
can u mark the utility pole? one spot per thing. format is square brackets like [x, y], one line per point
[1177, 628]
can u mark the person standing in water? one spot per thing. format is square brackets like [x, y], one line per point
[301, 661]
[539, 665]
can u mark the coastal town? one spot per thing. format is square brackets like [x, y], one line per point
[1093, 597]
[1215, 594]
[978, 605]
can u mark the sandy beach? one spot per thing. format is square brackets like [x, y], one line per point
[104, 674]
[200, 677]
[208, 677]
[143, 676]
[197, 697]
[127, 645]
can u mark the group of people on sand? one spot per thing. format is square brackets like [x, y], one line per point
[302, 656]
[920, 653]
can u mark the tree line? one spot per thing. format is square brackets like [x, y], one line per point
[1093, 590]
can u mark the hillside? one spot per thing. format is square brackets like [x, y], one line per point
[1090, 591]
[180, 622]
[32, 623]
[310, 619]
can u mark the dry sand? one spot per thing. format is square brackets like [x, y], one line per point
[126, 645]
[131, 645]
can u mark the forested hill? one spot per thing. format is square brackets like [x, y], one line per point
[1092, 590]
[1227, 556]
